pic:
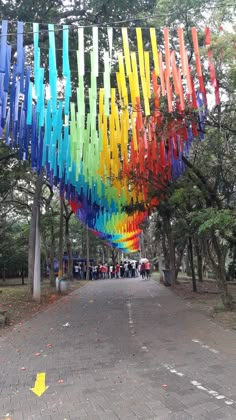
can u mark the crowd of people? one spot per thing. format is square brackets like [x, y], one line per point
[126, 269]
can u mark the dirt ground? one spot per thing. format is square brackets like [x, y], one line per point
[208, 299]
[16, 299]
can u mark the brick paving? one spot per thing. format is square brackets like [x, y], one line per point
[132, 350]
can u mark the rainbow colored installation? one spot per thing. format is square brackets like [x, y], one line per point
[119, 139]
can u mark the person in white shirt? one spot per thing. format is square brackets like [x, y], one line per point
[126, 267]
[76, 268]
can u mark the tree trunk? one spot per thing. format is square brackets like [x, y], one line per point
[199, 261]
[190, 246]
[165, 251]
[188, 264]
[114, 255]
[37, 261]
[46, 259]
[68, 248]
[169, 235]
[52, 255]
[220, 273]
[179, 260]
[32, 232]
[60, 251]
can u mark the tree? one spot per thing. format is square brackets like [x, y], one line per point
[67, 215]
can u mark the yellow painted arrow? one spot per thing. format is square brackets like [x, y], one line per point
[39, 386]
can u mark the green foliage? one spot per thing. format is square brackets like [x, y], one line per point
[211, 219]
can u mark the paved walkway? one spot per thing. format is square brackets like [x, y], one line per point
[119, 349]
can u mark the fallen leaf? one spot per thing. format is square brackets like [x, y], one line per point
[60, 381]
[37, 354]
[49, 345]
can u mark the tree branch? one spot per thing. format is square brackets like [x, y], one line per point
[203, 185]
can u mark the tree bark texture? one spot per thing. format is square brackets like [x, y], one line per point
[179, 260]
[32, 232]
[37, 260]
[52, 255]
[114, 256]
[61, 225]
[218, 267]
[169, 235]
[199, 261]
[165, 251]
[190, 246]
[68, 247]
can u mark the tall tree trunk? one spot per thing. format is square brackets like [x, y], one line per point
[46, 258]
[52, 255]
[169, 235]
[190, 246]
[179, 259]
[188, 264]
[68, 247]
[165, 251]
[60, 251]
[114, 255]
[199, 261]
[37, 260]
[32, 232]
[220, 272]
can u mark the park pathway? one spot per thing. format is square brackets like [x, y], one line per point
[118, 349]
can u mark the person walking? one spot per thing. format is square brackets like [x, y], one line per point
[76, 268]
[117, 270]
[122, 270]
[136, 269]
[94, 272]
[147, 269]
[143, 270]
[103, 271]
[126, 269]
